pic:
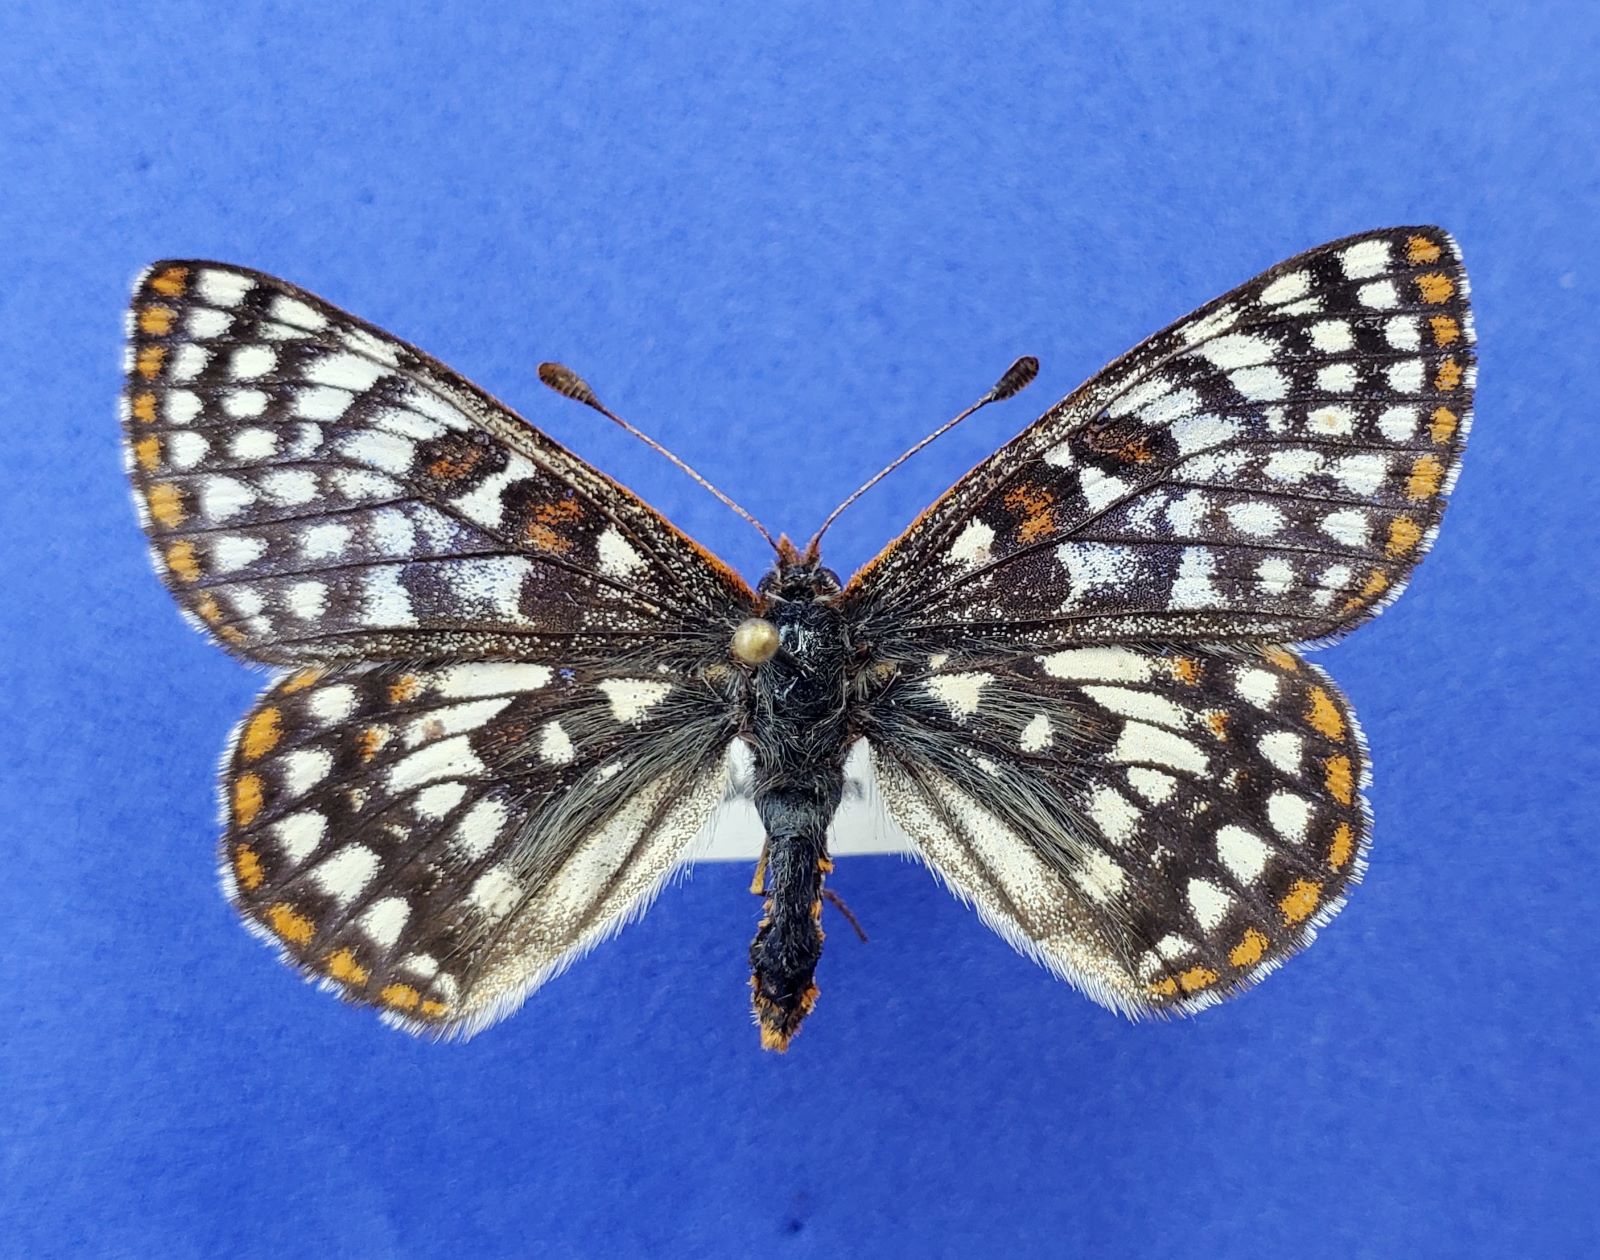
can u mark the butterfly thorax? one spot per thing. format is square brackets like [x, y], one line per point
[799, 734]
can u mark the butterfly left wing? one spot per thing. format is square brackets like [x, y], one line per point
[437, 840]
[1159, 827]
[315, 489]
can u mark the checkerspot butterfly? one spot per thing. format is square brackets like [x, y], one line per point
[510, 688]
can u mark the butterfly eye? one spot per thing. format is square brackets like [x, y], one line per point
[754, 640]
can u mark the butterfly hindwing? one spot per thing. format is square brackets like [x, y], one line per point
[1160, 827]
[435, 841]
[317, 490]
[1270, 468]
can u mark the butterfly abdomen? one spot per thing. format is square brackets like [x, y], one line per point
[800, 735]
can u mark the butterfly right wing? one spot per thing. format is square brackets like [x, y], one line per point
[437, 841]
[316, 490]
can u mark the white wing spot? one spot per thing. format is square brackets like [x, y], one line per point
[495, 892]
[972, 546]
[1208, 903]
[555, 745]
[1289, 815]
[1242, 852]
[617, 558]
[1115, 815]
[437, 799]
[1287, 288]
[632, 698]
[1365, 258]
[384, 920]
[959, 692]
[344, 874]
[1037, 734]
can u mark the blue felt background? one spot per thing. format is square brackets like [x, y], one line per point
[788, 244]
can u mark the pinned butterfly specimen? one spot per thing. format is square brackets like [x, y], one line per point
[510, 688]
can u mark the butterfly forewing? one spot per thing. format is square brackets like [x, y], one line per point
[1270, 468]
[436, 840]
[1159, 827]
[317, 490]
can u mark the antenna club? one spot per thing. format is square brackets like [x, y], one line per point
[1017, 378]
[562, 379]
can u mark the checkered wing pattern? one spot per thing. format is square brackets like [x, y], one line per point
[316, 490]
[1159, 827]
[436, 841]
[1269, 469]
[494, 749]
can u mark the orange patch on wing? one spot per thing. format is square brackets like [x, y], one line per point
[370, 741]
[299, 681]
[171, 282]
[546, 539]
[148, 361]
[261, 734]
[1420, 249]
[1323, 714]
[1300, 900]
[1427, 474]
[209, 610]
[432, 1010]
[147, 451]
[248, 797]
[458, 463]
[1248, 952]
[1448, 376]
[1186, 668]
[1165, 987]
[1217, 720]
[1033, 506]
[1404, 535]
[165, 504]
[247, 867]
[1435, 287]
[144, 407]
[403, 688]
[1445, 330]
[290, 924]
[181, 561]
[1443, 425]
[1343, 845]
[1341, 779]
[1377, 582]
[1197, 978]
[400, 996]
[156, 320]
[1283, 659]
[342, 965]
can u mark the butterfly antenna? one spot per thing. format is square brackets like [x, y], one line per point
[1016, 378]
[568, 383]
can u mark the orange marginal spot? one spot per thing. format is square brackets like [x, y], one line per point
[1377, 583]
[1448, 376]
[1197, 978]
[403, 688]
[1324, 714]
[182, 562]
[1443, 425]
[247, 799]
[1426, 476]
[247, 867]
[1165, 987]
[1300, 900]
[148, 361]
[1217, 720]
[1186, 668]
[432, 1010]
[144, 407]
[171, 282]
[166, 505]
[147, 451]
[1445, 330]
[561, 512]
[290, 924]
[208, 609]
[1341, 780]
[342, 965]
[457, 462]
[1344, 844]
[230, 634]
[261, 734]
[1283, 659]
[299, 681]
[1435, 287]
[1248, 952]
[370, 741]
[1404, 534]
[156, 320]
[402, 996]
[1419, 249]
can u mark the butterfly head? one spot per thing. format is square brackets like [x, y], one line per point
[798, 576]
